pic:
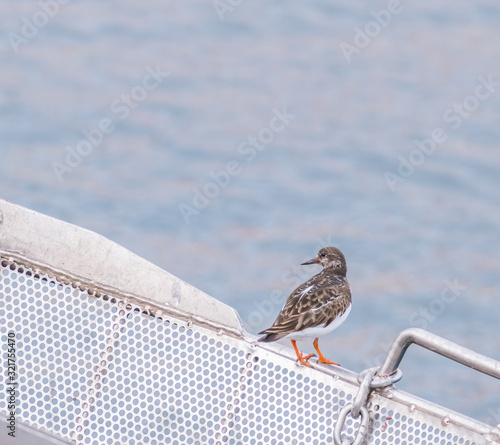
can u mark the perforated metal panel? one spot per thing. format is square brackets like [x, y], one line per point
[101, 370]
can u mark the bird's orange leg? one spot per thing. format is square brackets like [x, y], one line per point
[322, 358]
[300, 357]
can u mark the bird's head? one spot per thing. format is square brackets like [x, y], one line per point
[330, 257]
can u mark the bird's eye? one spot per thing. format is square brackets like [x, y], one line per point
[323, 255]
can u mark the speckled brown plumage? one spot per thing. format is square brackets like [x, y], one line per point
[316, 303]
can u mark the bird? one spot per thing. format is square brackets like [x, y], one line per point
[316, 307]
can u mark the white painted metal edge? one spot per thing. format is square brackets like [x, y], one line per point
[67, 250]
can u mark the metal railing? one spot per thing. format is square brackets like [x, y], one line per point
[113, 350]
[440, 346]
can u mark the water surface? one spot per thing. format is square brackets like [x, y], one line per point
[320, 180]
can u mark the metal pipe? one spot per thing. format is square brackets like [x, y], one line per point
[441, 346]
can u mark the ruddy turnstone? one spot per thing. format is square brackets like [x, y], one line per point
[316, 307]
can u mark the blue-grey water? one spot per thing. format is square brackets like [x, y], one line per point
[228, 141]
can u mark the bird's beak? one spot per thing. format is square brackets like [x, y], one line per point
[313, 261]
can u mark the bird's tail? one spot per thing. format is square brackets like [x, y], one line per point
[271, 337]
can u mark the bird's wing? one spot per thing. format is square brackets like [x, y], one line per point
[314, 303]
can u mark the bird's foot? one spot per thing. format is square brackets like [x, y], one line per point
[326, 361]
[304, 360]
[300, 355]
[322, 358]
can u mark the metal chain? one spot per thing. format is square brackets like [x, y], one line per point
[381, 382]
[362, 430]
[363, 392]
[368, 380]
